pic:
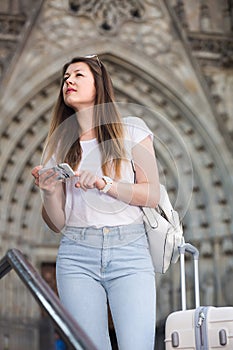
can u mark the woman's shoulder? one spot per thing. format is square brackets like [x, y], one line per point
[134, 121]
[136, 127]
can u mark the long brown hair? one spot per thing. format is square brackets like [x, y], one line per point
[63, 138]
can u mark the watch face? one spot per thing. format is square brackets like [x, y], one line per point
[107, 179]
[108, 185]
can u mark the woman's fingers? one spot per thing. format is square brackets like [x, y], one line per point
[45, 180]
[35, 171]
[86, 180]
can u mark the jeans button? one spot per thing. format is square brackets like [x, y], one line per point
[106, 230]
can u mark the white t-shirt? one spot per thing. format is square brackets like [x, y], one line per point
[95, 208]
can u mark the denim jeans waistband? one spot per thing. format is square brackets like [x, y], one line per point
[107, 236]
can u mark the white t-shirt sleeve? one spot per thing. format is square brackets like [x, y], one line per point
[137, 129]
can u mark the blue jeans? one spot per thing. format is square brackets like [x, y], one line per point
[114, 264]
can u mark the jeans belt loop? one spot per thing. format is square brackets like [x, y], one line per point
[121, 235]
[83, 233]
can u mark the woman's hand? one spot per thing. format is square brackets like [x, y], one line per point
[47, 180]
[88, 180]
[53, 211]
[35, 174]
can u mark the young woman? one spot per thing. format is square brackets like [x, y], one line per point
[103, 254]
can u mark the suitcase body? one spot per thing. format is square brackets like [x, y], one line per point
[202, 328]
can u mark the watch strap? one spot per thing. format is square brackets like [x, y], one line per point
[108, 184]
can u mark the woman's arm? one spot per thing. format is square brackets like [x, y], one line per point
[53, 196]
[53, 211]
[145, 191]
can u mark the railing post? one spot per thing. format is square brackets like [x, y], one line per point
[48, 300]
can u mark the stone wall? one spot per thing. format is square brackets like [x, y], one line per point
[158, 78]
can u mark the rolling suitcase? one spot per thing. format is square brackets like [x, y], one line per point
[202, 328]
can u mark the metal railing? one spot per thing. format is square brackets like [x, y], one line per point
[72, 333]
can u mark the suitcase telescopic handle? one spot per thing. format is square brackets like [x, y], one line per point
[189, 248]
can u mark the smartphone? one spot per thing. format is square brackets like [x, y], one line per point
[63, 169]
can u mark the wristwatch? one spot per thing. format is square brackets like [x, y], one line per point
[108, 184]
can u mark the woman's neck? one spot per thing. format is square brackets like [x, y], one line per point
[89, 135]
[85, 120]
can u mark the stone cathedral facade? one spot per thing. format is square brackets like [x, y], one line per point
[171, 62]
